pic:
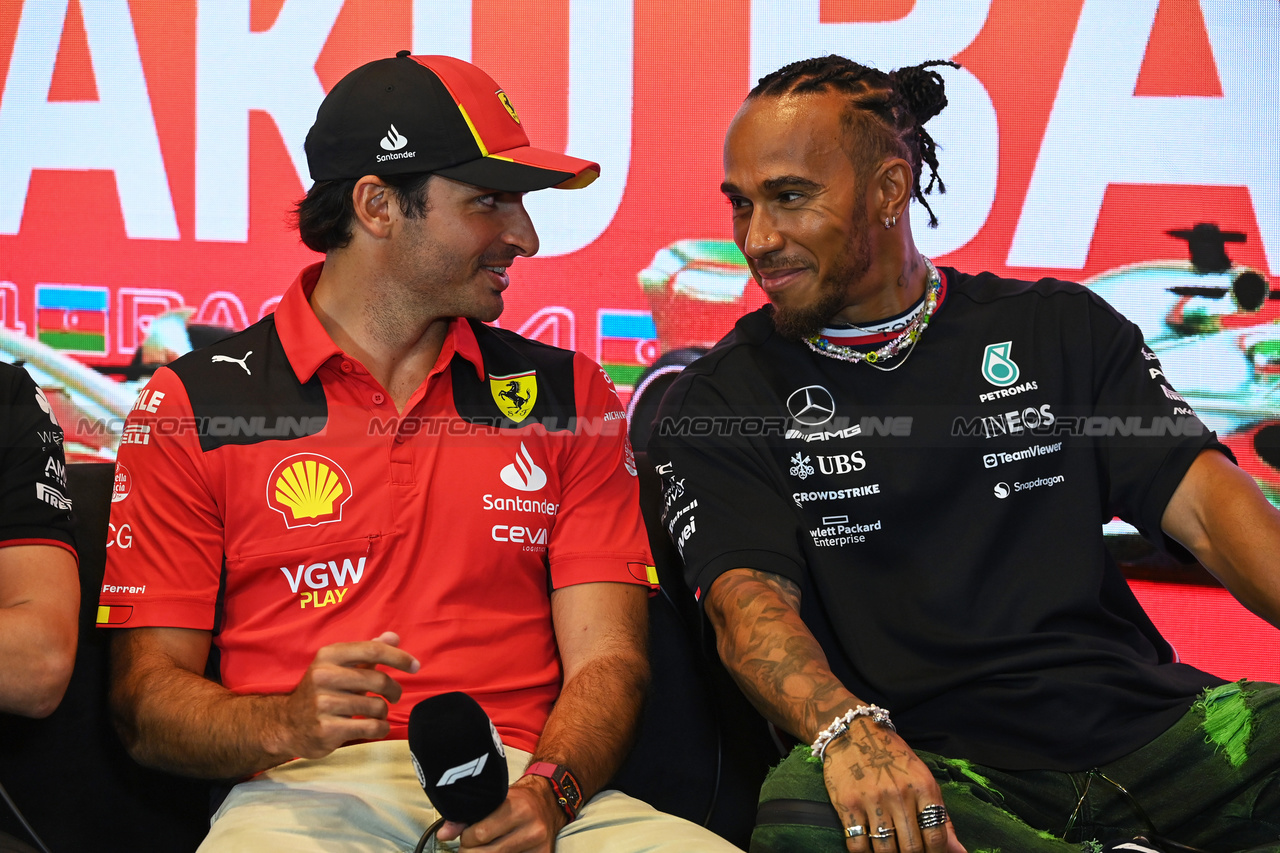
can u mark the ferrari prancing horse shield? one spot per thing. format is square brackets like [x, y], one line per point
[515, 394]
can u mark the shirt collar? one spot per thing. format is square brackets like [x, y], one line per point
[307, 345]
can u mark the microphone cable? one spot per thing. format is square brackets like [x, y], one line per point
[22, 819]
[429, 834]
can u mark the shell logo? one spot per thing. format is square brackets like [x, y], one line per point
[308, 490]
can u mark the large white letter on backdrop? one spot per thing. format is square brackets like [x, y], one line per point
[117, 132]
[442, 27]
[601, 70]
[967, 131]
[1100, 133]
[237, 71]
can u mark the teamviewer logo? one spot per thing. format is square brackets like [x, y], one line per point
[463, 771]
[990, 461]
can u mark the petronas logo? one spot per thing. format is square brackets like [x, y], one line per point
[997, 367]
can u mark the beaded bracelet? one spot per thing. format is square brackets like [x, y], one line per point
[840, 725]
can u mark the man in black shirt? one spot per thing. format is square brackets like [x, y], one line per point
[888, 488]
[39, 586]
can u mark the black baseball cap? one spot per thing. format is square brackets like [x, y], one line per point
[432, 114]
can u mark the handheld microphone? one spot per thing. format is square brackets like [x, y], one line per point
[458, 757]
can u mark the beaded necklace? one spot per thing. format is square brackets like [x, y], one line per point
[905, 339]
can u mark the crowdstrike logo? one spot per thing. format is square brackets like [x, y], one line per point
[393, 141]
[524, 475]
[463, 771]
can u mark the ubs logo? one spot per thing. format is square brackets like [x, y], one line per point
[811, 405]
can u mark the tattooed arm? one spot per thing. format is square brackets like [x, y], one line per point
[872, 776]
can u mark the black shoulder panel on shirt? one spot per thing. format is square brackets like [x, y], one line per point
[509, 360]
[988, 287]
[243, 390]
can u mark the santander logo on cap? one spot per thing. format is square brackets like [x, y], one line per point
[393, 141]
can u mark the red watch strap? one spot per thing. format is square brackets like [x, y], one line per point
[542, 768]
[563, 783]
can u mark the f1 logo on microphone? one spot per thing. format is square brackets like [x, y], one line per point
[463, 771]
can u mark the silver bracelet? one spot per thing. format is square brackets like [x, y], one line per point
[840, 725]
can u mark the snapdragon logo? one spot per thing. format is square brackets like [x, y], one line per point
[1002, 490]
[393, 141]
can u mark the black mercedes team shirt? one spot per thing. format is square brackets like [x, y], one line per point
[943, 519]
[34, 507]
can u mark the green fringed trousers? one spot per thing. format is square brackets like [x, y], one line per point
[1212, 782]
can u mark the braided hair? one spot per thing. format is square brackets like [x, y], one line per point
[885, 112]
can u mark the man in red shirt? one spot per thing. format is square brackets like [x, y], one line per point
[371, 497]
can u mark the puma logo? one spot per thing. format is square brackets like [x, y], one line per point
[240, 361]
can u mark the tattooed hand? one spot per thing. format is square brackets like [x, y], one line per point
[872, 776]
[875, 781]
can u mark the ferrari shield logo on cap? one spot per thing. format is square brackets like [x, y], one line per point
[506, 102]
[308, 490]
[515, 394]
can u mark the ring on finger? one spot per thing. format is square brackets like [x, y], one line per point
[855, 830]
[931, 816]
[883, 832]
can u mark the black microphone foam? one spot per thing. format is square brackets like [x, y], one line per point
[458, 757]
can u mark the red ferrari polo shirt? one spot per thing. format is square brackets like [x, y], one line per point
[278, 499]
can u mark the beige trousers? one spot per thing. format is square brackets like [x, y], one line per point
[365, 798]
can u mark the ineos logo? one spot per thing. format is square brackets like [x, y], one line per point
[811, 405]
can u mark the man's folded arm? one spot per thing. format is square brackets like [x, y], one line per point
[171, 717]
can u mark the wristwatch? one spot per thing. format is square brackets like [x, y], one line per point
[566, 789]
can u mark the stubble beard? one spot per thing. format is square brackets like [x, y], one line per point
[801, 322]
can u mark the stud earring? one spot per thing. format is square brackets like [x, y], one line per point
[887, 223]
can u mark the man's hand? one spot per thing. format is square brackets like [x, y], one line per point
[875, 781]
[171, 717]
[343, 697]
[872, 776]
[527, 820]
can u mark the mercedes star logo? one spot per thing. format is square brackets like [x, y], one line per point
[811, 405]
